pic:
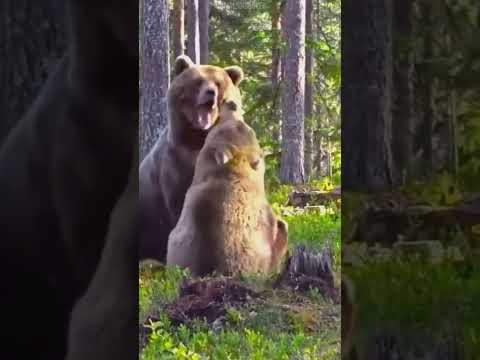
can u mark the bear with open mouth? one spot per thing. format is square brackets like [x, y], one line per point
[195, 98]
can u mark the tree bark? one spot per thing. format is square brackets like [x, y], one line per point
[292, 166]
[308, 90]
[156, 70]
[203, 19]
[179, 28]
[365, 95]
[275, 75]
[403, 110]
[193, 31]
[32, 39]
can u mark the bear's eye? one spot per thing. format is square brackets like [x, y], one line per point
[255, 164]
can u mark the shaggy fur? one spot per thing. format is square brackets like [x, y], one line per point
[226, 223]
[194, 99]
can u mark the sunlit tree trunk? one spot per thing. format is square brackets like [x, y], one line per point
[203, 14]
[193, 31]
[275, 75]
[308, 90]
[32, 39]
[156, 70]
[292, 166]
[179, 27]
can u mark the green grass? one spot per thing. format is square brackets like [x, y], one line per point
[284, 326]
[418, 302]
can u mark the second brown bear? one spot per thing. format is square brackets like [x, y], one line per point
[226, 224]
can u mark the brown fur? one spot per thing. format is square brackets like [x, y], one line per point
[348, 316]
[167, 171]
[226, 223]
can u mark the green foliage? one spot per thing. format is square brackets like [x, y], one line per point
[418, 301]
[246, 343]
[160, 286]
[241, 34]
[441, 190]
[316, 230]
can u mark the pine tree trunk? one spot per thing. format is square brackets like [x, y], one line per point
[32, 39]
[366, 95]
[403, 90]
[193, 31]
[203, 19]
[276, 12]
[308, 90]
[179, 28]
[291, 165]
[156, 70]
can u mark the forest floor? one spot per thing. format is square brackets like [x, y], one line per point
[251, 318]
[415, 266]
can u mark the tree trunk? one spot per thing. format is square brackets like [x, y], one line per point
[203, 19]
[276, 12]
[193, 31]
[292, 168]
[308, 90]
[140, 46]
[156, 70]
[366, 93]
[32, 39]
[179, 28]
[403, 109]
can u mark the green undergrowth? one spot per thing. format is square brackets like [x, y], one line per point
[280, 325]
[314, 229]
[418, 302]
[284, 325]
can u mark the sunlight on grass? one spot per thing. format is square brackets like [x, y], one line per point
[287, 326]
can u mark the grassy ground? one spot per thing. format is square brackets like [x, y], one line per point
[282, 325]
[422, 306]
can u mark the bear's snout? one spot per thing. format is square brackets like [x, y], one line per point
[208, 97]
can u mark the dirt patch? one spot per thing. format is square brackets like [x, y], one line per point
[208, 299]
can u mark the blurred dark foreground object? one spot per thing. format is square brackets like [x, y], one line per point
[62, 170]
[104, 321]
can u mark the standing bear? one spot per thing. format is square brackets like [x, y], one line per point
[227, 225]
[195, 98]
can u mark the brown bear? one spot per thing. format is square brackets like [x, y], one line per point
[104, 321]
[62, 169]
[195, 98]
[226, 225]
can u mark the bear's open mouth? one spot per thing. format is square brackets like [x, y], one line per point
[209, 104]
[205, 114]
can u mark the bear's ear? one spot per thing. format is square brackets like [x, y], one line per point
[223, 155]
[181, 63]
[235, 73]
[231, 105]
